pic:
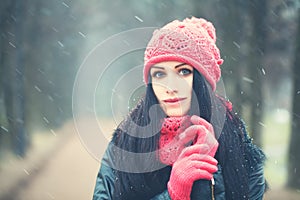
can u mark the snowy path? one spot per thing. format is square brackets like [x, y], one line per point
[69, 174]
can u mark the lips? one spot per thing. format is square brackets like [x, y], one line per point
[174, 100]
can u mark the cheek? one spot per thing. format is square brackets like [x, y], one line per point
[158, 90]
[188, 87]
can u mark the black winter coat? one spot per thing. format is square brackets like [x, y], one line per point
[202, 189]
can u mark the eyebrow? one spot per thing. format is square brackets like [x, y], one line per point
[176, 66]
[179, 65]
[157, 67]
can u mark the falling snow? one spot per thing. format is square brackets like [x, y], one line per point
[26, 172]
[83, 35]
[11, 34]
[41, 71]
[60, 43]
[18, 72]
[46, 120]
[236, 44]
[53, 132]
[248, 79]
[37, 88]
[262, 124]
[139, 19]
[40, 68]
[3, 128]
[63, 3]
[50, 98]
[11, 44]
[54, 29]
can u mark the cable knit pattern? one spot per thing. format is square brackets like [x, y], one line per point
[192, 41]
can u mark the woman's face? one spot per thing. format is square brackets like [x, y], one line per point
[172, 84]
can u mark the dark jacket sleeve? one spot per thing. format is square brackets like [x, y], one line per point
[162, 196]
[104, 184]
[106, 181]
[257, 183]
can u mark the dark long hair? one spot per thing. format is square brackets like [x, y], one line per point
[236, 154]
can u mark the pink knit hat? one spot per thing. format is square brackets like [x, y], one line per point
[192, 41]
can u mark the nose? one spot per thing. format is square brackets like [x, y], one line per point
[172, 86]
[171, 91]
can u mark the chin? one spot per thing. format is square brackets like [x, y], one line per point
[176, 114]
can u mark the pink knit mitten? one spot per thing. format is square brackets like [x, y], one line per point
[193, 164]
[196, 161]
[205, 134]
[177, 132]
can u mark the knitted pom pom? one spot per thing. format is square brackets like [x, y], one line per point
[200, 22]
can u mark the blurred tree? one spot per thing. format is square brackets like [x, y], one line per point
[5, 8]
[231, 20]
[258, 10]
[40, 41]
[242, 42]
[20, 140]
[54, 38]
[294, 150]
[13, 71]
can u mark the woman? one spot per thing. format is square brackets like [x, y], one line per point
[182, 141]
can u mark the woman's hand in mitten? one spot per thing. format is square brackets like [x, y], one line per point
[204, 134]
[173, 142]
[193, 164]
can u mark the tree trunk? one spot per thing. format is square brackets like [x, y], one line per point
[229, 18]
[258, 10]
[13, 68]
[21, 135]
[294, 150]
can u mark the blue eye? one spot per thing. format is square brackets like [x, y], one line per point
[185, 71]
[158, 74]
